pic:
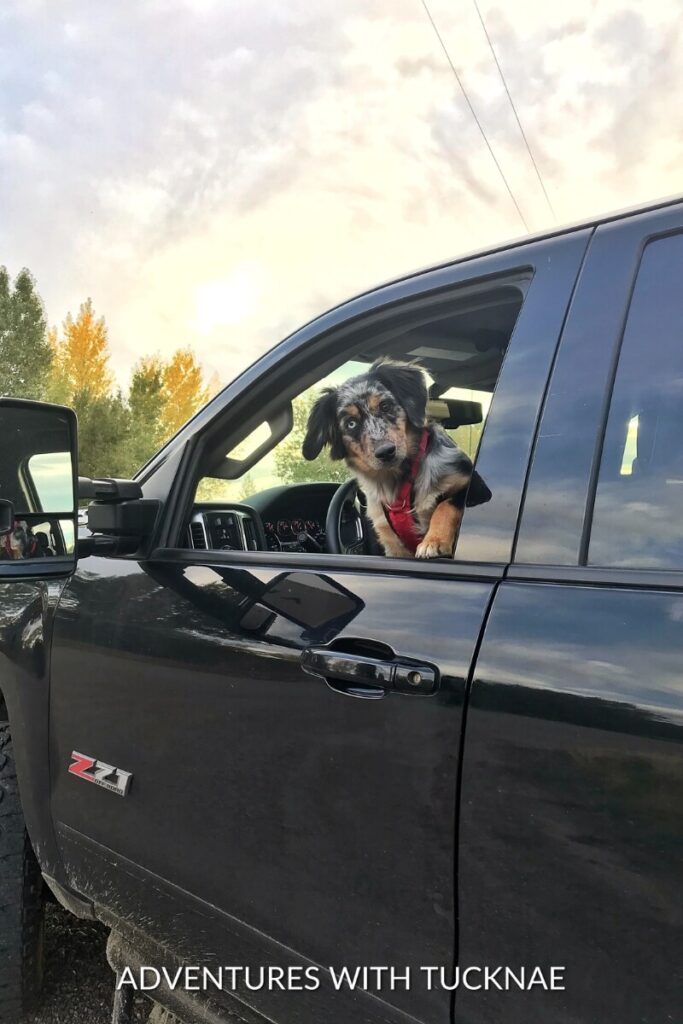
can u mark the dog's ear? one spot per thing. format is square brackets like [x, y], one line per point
[477, 493]
[322, 428]
[408, 385]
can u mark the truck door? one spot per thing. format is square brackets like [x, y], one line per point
[37, 519]
[274, 818]
[571, 829]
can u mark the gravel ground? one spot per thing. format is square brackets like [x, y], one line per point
[79, 983]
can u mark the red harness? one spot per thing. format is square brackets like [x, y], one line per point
[400, 513]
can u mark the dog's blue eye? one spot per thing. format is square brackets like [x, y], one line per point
[350, 424]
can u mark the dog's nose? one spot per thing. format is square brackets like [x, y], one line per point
[385, 451]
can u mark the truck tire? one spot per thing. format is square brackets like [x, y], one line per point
[21, 899]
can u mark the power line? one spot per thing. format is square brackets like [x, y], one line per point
[474, 114]
[514, 109]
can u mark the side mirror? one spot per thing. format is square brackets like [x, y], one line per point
[38, 504]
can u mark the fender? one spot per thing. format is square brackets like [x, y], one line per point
[27, 609]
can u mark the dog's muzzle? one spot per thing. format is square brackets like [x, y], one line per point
[385, 452]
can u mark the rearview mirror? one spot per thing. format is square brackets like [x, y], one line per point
[38, 505]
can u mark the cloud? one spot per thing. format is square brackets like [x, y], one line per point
[228, 301]
[150, 152]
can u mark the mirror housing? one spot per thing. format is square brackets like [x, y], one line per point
[39, 492]
[38, 503]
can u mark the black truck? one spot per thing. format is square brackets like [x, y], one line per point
[242, 738]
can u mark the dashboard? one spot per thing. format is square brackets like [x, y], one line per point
[284, 534]
[289, 518]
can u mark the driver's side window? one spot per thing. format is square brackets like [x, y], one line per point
[402, 415]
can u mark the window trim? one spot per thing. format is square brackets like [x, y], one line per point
[436, 568]
[596, 575]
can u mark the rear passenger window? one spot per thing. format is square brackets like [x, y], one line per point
[638, 515]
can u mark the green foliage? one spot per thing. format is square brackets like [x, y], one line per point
[290, 465]
[468, 438]
[213, 488]
[25, 353]
[70, 365]
[247, 487]
[118, 433]
[104, 434]
[146, 407]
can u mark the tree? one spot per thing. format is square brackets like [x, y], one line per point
[247, 487]
[25, 352]
[81, 356]
[290, 465]
[184, 390]
[81, 378]
[117, 434]
[146, 405]
[57, 388]
[214, 488]
[104, 428]
[71, 366]
[468, 438]
[5, 300]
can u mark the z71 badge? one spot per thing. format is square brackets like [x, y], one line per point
[102, 774]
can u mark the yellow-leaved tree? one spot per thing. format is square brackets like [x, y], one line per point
[80, 377]
[184, 390]
[81, 356]
[117, 432]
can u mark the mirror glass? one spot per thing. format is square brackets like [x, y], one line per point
[37, 475]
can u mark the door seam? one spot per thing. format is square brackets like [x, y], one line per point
[458, 791]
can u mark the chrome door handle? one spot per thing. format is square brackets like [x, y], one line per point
[363, 676]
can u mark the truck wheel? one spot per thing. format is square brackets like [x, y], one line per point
[21, 899]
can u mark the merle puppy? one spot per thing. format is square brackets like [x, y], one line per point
[18, 542]
[416, 480]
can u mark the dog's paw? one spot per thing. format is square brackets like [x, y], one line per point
[434, 546]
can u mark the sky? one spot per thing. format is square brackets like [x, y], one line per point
[214, 173]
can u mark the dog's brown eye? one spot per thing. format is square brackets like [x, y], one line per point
[386, 406]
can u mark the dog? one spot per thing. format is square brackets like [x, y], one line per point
[415, 478]
[18, 543]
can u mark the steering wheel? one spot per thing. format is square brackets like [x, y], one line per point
[344, 525]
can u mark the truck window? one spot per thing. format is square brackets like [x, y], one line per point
[461, 351]
[639, 498]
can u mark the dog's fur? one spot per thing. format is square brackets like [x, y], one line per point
[387, 405]
[16, 543]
